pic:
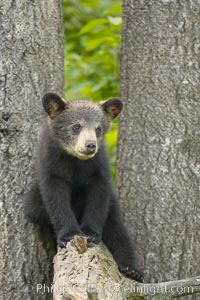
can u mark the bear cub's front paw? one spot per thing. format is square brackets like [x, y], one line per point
[132, 273]
[65, 236]
[92, 236]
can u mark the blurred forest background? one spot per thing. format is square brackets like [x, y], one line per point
[92, 45]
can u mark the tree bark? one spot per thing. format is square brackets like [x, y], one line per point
[31, 63]
[82, 273]
[159, 135]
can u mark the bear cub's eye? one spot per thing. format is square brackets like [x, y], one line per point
[98, 131]
[76, 128]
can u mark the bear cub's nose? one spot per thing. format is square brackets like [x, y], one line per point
[90, 146]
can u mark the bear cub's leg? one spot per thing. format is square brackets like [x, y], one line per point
[33, 206]
[116, 238]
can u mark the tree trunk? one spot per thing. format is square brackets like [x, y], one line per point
[31, 63]
[159, 135]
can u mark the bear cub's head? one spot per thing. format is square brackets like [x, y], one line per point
[80, 125]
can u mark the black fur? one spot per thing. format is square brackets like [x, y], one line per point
[77, 198]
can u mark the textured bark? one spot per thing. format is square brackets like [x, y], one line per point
[83, 273]
[159, 134]
[31, 63]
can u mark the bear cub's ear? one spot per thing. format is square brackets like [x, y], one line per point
[112, 107]
[53, 104]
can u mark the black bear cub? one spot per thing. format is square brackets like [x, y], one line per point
[72, 190]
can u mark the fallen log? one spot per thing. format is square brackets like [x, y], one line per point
[89, 272]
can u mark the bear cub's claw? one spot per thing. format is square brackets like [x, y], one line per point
[95, 239]
[92, 236]
[132, 274]
[64, 237]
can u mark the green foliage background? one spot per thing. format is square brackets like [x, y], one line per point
[92, 31]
